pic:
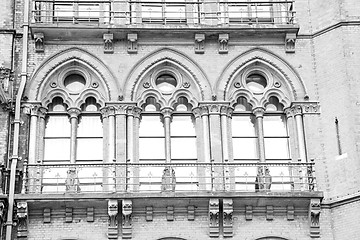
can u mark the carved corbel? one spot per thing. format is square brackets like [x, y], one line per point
[290, 213]
[126, 219]
[90, 214]
[132, 46]
[191, 213]
[2, 213]
[149, 214]
[47, 215]
[199, 43]
[290, 40]
[72, 182]
[108, 43]
[170, 213]
[22, 216]
[248, 213]
[269, 213]
[113, 224]
[227, 215]
[314, 218]
[223, 43]
[168, 180]
[68, 215]
[39, 42]
[214, 217]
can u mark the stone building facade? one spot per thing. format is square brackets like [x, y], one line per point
[179, 120]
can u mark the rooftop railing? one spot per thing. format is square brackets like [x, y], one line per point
[165, 12]
[193, 177]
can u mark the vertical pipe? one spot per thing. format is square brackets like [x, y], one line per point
[15, 157]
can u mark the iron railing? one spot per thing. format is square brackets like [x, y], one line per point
[193, 177]
[165, 12]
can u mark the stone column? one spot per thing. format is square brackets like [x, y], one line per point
[200, 143]
[166, 113]
[204, 111]
[73, 115]
[120, 143]
[297, 111]
[259, 115]
[226, 113]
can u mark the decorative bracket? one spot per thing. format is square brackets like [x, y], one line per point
[170, 213]
[39, 42]
[113, 225]
[314, 218]
[248, 213]
[132, 43]
[108, 43]
[199, 43]
[227, 215]
[290, 213]
[214, 217]
[22, 216]
[90, 214]
[223, 43]
[191, 213]
[149, 214]
[269, 213]
[47, 215]
[168, 180]
[68, 215]
[290, 40]
[72, 182]
[126, 219]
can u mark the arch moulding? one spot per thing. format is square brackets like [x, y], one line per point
[42, 74]
[170, 56]
[267, 58]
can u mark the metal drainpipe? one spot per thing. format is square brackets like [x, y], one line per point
[15, 154]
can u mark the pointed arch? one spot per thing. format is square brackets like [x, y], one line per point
[287, 73]
[167, 56]
[72, 56]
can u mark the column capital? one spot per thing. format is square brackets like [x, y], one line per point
[259, 112]
[167, 112]
[133, 111]
[288, 112]
[305, 107]
[196, 112]
[73, 112]
[296, 110]
[204, 110]
[226, 110]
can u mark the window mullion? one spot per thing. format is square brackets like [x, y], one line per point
[259, 115]
[167, 120]
[73, 115]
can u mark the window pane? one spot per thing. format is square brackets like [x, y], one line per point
[243, 126]
[57, 126]
[57, 149]
[89, 149]
[152, 148]
[183, 148]
[182, 126]
[63, 10]
[90, 126]
[238, 13]
[89, 10]
[276, 148]
[151, 126]
[245, 148]
[275, 126]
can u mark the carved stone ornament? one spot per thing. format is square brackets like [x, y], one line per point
[113, 225]
[237, 84]
[214, 217]
[132, 43]
[186, 84]
[146, 85]
[290, 40]
[126, 219]
[305, 107]
[22, 216]
[108, 43]
[314, 218]
[263, 179]
[72, 182]
[168, 180]
[199, 43]
[39, 42]
[228, 217]
[223, 43]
